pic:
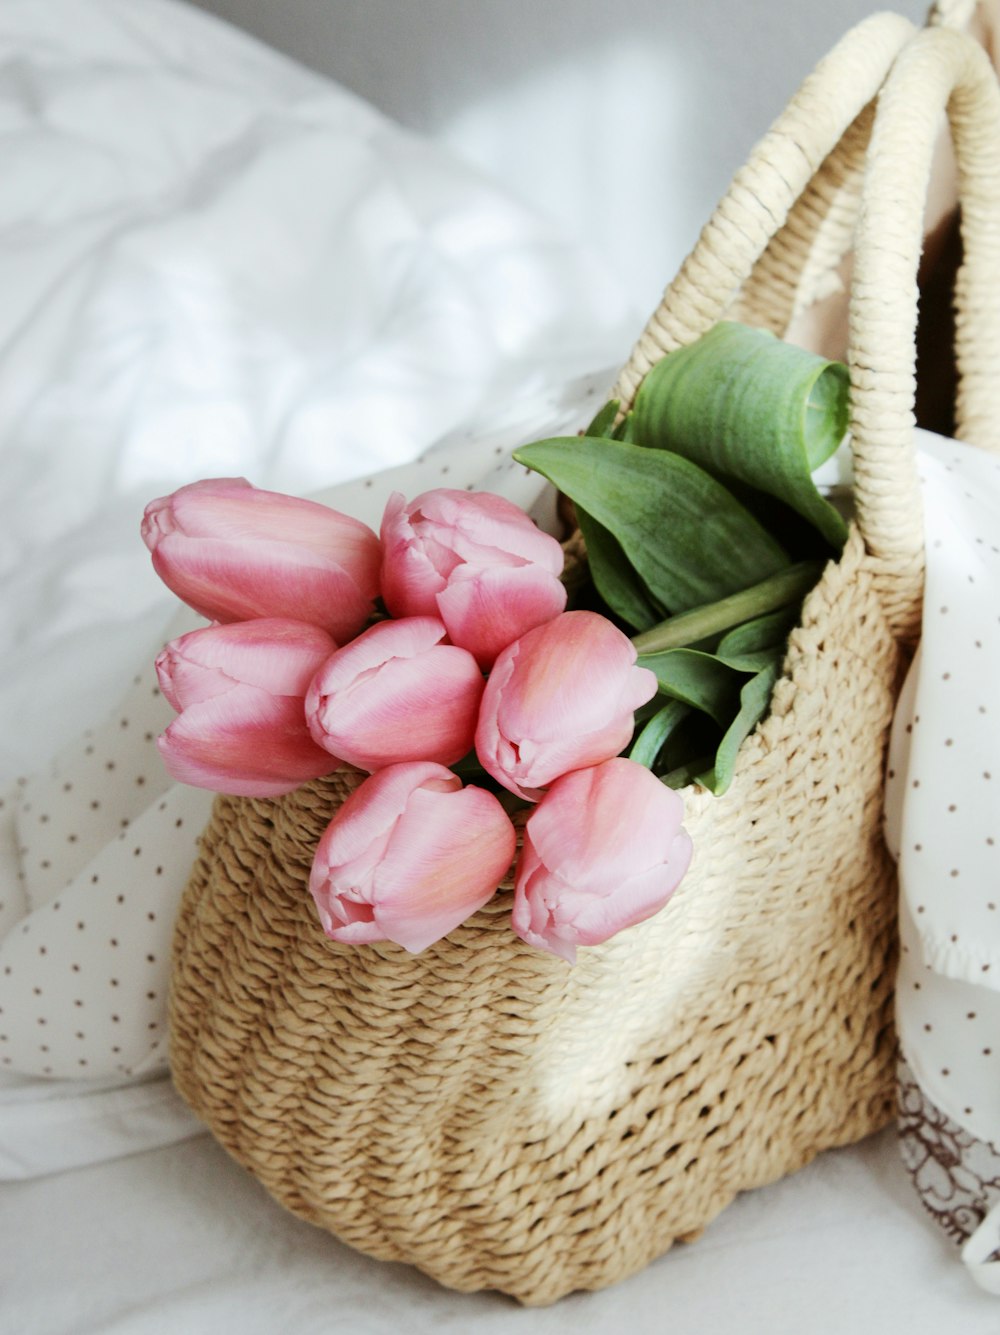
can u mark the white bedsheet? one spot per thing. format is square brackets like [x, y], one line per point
[180, 1242]
[213, 262]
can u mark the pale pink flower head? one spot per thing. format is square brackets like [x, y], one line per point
[234, 552]
[560, 698]
[603, 850]
[409, 856]
[396, 693]
[476, 561]
[240, 691]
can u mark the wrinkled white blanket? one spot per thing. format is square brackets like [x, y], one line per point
[213, 263]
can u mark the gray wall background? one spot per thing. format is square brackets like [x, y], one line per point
[622, 121]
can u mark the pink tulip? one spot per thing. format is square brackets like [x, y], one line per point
[233, 552]
[409, 856]
[560, 698]
[394, 694]
[474, 560]
[239, 691]
[603, 850]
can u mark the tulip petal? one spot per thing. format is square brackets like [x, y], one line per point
[573, 674]
[372, 809]
[160, 517]
[485, 610]
[537, 893]
[396, 694]
[585, 872]
[441, 535]
[595, 918]
[278, 655]
[560, 698]
[447, 856]
[233, 552]
[348, 920]
[422, 708]
[583, 849]
[409, 581]
[540, 764]
[386, 640]
[235, 583]
[244, 742]
[250, 514]
[486, 529]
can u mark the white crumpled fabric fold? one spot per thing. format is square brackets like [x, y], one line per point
[213, 262]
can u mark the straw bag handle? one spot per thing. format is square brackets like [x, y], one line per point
[951, 13]
[883, 307]
[757, 204]
[940, 68]
[803, 261]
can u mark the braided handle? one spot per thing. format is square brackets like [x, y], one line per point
[763, 192]
[778, 206]
[951, 13]
[941, 68]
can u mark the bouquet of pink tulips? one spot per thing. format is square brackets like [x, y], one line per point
[441, 657]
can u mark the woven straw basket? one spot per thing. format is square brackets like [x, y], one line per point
[501, 1119]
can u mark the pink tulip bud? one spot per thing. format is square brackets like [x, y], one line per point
[603, 850]
[239, 691]
[560, 698]
[409, 856]
[474, 560]
[233, 552]
[394, 694]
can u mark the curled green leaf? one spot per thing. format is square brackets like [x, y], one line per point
[613, 576]
[682, 532]
[654, 736]
[760, 633]
[744, 404]
[697, 679]
[754, 700]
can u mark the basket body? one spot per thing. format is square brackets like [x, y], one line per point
[503, 1120]
[484, 1110]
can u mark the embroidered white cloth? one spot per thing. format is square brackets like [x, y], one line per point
[943, 825]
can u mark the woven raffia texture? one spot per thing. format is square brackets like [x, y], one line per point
[503, 1120]
[495, 1116]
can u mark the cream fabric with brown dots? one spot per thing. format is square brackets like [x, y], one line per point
[103, 843]
[943, 808]
[94, 854]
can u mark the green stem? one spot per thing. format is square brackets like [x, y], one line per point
[787, 586]
[686, 773]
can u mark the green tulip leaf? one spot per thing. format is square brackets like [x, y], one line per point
[651, 740]
[604, 420]
[761, 633]
[744, 404]
[751, 660]
[697, 679]
[779, 595]
[754, 700]
[683, 533]
[685, 773]
[625, 429]
[615, 580]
